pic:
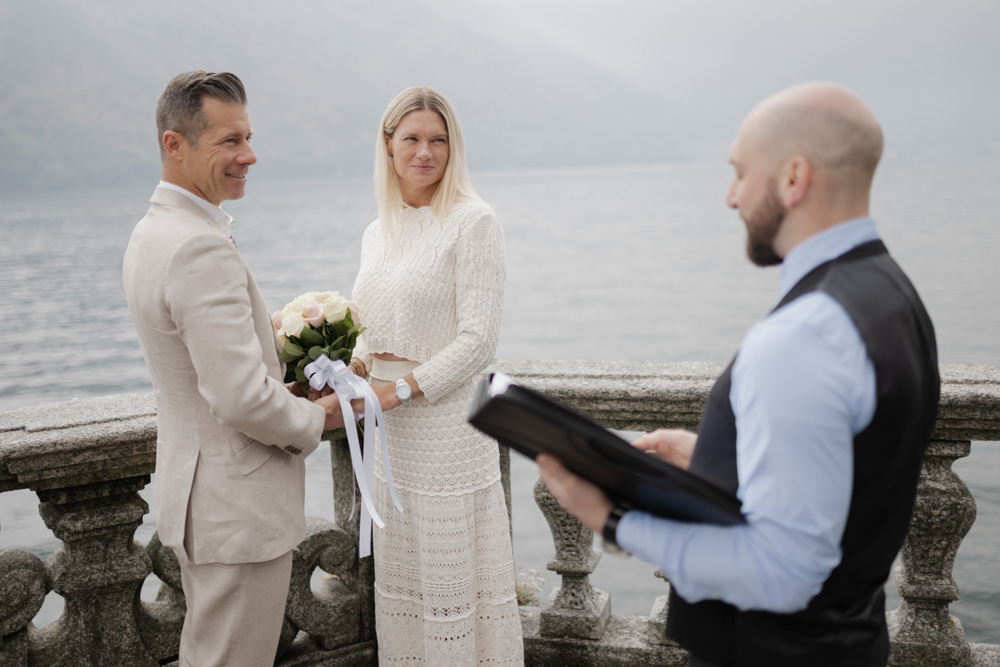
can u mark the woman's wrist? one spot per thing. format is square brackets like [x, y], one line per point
[387, 396]
[358, 368]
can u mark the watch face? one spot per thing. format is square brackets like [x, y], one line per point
[403, 391]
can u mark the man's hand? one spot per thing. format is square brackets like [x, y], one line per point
[578, 497]
[325, 391]
[334, 417]
[673, 445]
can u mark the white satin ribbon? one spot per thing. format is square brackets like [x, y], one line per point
[322, 373]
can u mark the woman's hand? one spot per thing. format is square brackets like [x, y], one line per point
[325, 391]
[387, 393]
[673, 445]
[358, 368]
[387, 396]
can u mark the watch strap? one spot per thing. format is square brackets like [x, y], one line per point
[610, 531]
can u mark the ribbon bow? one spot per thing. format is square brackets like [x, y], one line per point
[322, 373]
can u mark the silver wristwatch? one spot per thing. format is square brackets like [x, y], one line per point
[403, 391]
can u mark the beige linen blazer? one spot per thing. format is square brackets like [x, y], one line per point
[232, 439]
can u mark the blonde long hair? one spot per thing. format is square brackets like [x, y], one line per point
[454, 185]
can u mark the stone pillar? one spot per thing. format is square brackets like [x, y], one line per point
[505, 482]
[575, 609]
[99, 572]
[360, 577]
[922, 631]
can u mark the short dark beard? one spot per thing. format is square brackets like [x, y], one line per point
[763, 225]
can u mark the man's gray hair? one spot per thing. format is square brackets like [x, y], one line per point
[179, 106]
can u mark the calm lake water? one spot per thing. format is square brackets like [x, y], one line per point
[641, 263]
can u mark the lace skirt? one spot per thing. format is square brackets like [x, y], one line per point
[444, 570]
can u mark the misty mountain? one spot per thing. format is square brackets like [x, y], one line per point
[79, 81]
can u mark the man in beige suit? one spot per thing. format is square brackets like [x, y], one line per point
[232, 439]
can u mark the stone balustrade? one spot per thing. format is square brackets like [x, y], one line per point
[87, 460]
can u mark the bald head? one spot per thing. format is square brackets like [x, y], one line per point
[825, 123]
[804, 160]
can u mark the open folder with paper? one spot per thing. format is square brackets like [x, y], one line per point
[531, 423]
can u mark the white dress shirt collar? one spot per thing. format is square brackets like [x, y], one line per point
[220, 219]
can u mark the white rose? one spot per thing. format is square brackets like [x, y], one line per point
[292, 324]
[276, 318]
[313, 313]
[334, 307]
[296, 303]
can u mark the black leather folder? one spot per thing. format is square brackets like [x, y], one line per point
[531, 424]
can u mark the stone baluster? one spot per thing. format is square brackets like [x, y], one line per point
[335, 624]
[160, 621]
[921, 630]
[99, 572]
[24, 583]
[657, 622]
[332, 614]
[574, 609]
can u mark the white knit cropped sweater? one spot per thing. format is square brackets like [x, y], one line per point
[435, 296]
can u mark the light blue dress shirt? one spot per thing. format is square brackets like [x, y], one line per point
[802, 387]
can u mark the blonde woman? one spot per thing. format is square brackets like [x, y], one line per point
[430, 292]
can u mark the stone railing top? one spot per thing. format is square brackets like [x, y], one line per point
[642, 396]
[77, 442]
[82, 441]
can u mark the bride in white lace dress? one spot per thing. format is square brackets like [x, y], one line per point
[430, 292]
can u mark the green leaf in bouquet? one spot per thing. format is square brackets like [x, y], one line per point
[311, 337]
[300, 375]
[344, 354]
[290, 374]
[316, 351]
[352, 336]
[338, 343]
[337, 330]
[290, 353]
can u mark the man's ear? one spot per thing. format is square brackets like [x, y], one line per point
[175, 145]
[794, 180]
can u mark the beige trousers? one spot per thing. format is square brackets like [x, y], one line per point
[234, 612]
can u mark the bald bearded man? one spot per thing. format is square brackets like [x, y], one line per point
[819, 424]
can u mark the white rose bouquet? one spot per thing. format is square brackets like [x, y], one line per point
[317, 334]
[312, 325]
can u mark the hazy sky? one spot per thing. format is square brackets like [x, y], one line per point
[536, 80]
[930, 69]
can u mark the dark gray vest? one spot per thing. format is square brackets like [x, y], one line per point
[844, 624]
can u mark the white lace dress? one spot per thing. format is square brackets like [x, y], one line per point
[444, 572]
